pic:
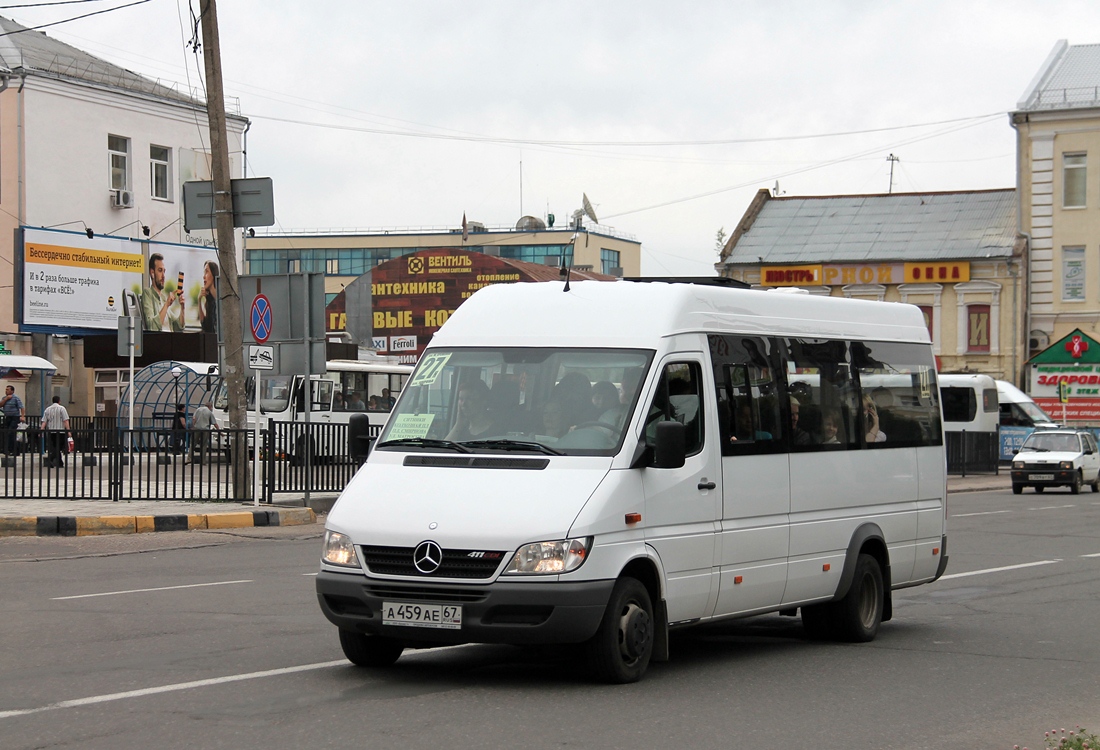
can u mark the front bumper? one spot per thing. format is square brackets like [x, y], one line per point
[1033, 477]
[501, 612]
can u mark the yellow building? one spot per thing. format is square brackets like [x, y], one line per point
[955, 255]
[1057, 126]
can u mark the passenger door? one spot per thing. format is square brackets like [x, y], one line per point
[681, 505]
[754, 535]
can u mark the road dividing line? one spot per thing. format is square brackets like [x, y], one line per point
[142, 591]
[998, 570]
[1053, 507]
[983, 513]
[1094, 554]
[171, 688]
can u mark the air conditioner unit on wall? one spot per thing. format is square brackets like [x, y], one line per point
[122, 199]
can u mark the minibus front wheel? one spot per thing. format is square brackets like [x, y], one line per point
[369, 650]
[623, 644]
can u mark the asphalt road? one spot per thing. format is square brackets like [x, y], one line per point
[214, 640]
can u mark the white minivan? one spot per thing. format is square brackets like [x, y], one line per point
[600, 463]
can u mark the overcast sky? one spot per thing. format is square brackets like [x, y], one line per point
[363, 111]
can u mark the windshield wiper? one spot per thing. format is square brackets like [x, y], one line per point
[426, 443]
[513, 445]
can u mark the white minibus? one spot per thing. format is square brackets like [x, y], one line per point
[969, 403]
[601, 463]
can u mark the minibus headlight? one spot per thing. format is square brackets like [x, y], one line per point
[1017, 464]
[1066, 465]
[339, 550]
[560, 556]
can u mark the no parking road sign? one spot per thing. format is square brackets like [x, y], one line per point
[259, 319]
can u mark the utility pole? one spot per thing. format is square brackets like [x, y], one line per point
[229, 298]
[892, 159]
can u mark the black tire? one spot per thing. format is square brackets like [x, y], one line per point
[858, 615]
[1095, 486]
[1075, 487]
[370, 650]
[1017, 489]
[817, 621]
[620, 650]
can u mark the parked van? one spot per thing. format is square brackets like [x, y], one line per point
[1019, 410]
[603, 463]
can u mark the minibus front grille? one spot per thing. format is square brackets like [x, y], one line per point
[457, 563]
[478, 462]
[1043, 467]
[425, 594]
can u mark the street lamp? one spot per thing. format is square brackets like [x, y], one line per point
[176, 372]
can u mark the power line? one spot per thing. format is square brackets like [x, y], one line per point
[43, 5]
[547, 142]
[74, 18]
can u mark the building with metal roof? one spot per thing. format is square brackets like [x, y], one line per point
[956, 255]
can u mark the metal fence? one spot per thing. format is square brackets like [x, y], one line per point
[970, 452]
[108, 463]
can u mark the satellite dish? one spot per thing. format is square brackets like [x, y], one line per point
[588, 210]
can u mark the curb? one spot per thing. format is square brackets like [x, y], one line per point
[91, 525]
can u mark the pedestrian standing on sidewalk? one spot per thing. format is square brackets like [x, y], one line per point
[55, 420]
[201, 423]
[179, 430]
[14, 414]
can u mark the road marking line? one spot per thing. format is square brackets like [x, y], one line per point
[998, 570]
[1094, 554]
[983, 513]
[1053, 507]
[171, 688]
[142, 591]
[309, 574]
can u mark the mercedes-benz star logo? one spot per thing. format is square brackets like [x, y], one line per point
[427, 557]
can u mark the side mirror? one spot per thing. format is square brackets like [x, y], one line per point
[1015, 451]
[670, 448]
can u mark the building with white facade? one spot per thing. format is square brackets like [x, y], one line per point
[89, 146]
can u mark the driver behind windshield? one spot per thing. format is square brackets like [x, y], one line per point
[473, 420]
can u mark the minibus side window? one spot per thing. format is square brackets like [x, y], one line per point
[679, 398]
[820, 377]
[747, 396]
[901, 398]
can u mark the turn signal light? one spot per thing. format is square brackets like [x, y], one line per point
[633, 518]
[826, 567]
[737, 579]
[935, 551]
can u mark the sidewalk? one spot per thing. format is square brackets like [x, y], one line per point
[53, 517]
[58, 517]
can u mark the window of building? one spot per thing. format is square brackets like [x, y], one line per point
[928, 311]
[1073, 274]
[160, 172]
[977, 339]
[118, 153]
[610, 259]
[332, 266]
[1074, 180]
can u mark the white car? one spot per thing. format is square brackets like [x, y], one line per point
[1057, 458]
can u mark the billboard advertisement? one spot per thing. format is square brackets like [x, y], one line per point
[74, 282]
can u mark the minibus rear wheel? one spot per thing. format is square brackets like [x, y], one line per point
[859, 613]
[369, 650]
[623, 644]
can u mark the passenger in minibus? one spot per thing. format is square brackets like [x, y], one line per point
[355, 403]
[473, 418]
[555, 423]
[744, 428]
[830, 427]
[338, 401]
[798, 435]
[870, 421]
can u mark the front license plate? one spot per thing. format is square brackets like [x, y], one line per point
[444, 616]
[1042, 477]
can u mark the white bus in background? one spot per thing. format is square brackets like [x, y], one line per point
[603, 463]
[347, 387]
[969, 403]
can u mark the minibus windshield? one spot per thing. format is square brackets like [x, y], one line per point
[537, 400]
